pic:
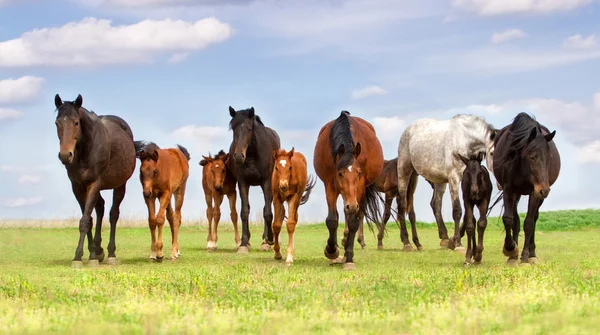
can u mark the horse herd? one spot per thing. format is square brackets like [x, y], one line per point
[99, 153]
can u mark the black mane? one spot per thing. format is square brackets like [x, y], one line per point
[144, 146]
[241, 116]
[519, 133]
[185, 152]
[341, 136]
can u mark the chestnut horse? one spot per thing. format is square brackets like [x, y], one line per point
[99, 154]
[217, 181]
[476, 189]
[163, 174]
[290, 184]
[252, 165]
[346, 169]
[526, 162]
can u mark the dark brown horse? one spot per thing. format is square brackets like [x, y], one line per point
[387, 183]
[99, 154]
[252, 165]
[217, 182]
[476, 189]
[526, 162]
[348, 158]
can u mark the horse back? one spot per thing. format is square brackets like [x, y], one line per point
[119, 122]
[388, 179]
[178, 166]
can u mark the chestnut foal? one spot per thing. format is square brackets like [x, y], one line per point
[290, 183]
[163, 173]
[217, 181]
[476, 191]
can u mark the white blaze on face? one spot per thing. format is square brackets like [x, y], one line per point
[217, 165]
[283, 162]
[350, 168]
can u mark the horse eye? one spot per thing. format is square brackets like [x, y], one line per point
[359, 174]
[155, 172]
[76, 123]
[340, 174]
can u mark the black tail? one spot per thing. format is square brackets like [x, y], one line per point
[498, 199]
[310, 183]
[370, 207]
[184, 150]
[139, 146]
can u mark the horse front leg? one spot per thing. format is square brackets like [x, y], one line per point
[85, 225]
[481, 225]
[98, 235]
[161, 216]
[511, 248]
[532, 257]
[469, 226]
[244, 247]
[234, 217]
[332, 251]
[115, 212]
[218, 198]
[353, 222]
[208, 197]
[277, 224]
[151, 205]
[268, 217]
[455, 243]
[293, 205]
[529, 227]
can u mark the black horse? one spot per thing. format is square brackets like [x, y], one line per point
[252, 165]
[526, 162]
[99, 154]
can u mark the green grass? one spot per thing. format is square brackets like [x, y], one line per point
[390, 292]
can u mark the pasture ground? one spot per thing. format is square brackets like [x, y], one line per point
[390, 292]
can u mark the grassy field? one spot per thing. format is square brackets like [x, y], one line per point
[390, 292]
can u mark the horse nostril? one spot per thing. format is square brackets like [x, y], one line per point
[70, 154]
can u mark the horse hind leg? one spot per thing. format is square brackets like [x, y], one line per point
[234, 217]
[118, 196]
[412, 186]
[455, 243]
[361, 233]
[386, 216]
[436, 206]
[98, 235]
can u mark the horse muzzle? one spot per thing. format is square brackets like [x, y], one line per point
[218, 188]
[283, 187]
[239, 157]
[66, 157]
[147, 194]
[543, 193]
[351, 209]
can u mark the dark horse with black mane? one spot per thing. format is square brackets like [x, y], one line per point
[252, 165]
[347, 169]
[99, 154]
[526, 162]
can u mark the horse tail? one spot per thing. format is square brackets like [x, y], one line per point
[498, 199]
[369, 205]
[139, 147]
[184, 151]
[310, 183]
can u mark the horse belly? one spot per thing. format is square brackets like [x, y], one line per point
[122, 161]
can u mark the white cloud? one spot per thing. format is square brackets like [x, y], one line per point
[507, 35]
[579, 42]
[160, 3]
[178, 58]
[22, 202]
[9, 114]
[205, 138]
[500, 7]
[597, 101]
[590, 153]
[389, 128]
[29, 179]
[368, 91]
[20, 90]
[94, 41]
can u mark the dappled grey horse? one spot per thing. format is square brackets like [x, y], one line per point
[430, 148]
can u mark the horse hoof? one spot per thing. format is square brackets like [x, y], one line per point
[533, 260]
[380, 247]
[278, 256]
[444, 243]
[339, 260]
[288, 264]
[265, 247]
[525, 263]
[512, 263]
[420, 248]
[160, 259]
[476, 262]
[334, 255]
[211, 249]
[77, 264]
[243, 250]
[513, 253]
[93, 263]
[100, 257]
[363, 245]
[466, 264]
[348, 266]
[408, 248]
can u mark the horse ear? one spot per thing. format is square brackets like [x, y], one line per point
[251, 114]
[550, 136]
[79, 101]
[357, 149]
[533, 134]
[463, 159]
[493, 134]
[57, 101]
[203, 162]
[291, 153]
[154, 155]
[231, 111]
[142, 155]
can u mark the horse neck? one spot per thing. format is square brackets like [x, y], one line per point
[258, 140]
[91, 128]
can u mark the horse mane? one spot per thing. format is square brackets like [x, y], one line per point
[476, 120]
[220, 155]
[341, 136]
[146, 147]
[241, 116]
[519, 132]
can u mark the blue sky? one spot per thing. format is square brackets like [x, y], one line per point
[172, 68]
